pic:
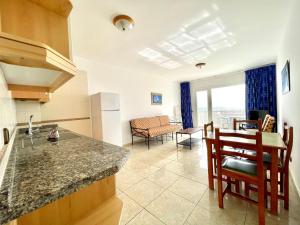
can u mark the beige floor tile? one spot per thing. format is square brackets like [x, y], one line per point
[170, 208]
[162, 163]
[284, 217]
[188, 189]
[144, 192]
[119, 192]
[177, 168]
[233, 207]
[145, 218]
[202, 216]
[130, 209]
[165, 167]
[163, 178]
[126, 178]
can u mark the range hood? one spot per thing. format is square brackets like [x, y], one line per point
[20, 57]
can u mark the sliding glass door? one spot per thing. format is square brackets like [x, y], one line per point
[202, 107]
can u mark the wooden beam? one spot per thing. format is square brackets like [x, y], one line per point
[30, 95]
[30, 88]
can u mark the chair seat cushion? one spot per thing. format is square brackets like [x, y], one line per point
[266, 156]
[239, 165]
[226, 148]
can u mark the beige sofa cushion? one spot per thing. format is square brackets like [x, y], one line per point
[164, 120]
[145, 123]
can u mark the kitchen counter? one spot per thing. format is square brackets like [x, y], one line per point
[43, 172]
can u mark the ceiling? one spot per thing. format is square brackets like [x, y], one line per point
[170, 36]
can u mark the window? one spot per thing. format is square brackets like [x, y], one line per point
[228, 103]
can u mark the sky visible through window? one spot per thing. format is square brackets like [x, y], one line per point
[229, 98]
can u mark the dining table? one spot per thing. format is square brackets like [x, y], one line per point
[272, 144]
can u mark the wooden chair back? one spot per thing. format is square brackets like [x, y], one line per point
[289, 149]
[243, 141]
[210, 126]
[239, 140]
[255, 122]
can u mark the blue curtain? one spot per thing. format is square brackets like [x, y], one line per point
[261, 90]
[186, 106]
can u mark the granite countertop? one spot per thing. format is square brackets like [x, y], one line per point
[44, 172]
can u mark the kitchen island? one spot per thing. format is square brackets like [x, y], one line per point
[70, 181]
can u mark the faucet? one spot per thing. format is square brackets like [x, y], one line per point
[30, 126]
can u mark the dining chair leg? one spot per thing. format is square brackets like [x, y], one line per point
[237, 186]
[246, 189]
[229, 183]
[266, 192]
[215, 165]
[261, 203]
[220, 192]
[286, 190]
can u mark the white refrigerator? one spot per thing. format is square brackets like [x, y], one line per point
[106, 118]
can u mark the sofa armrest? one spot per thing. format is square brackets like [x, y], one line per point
[175, 122]
[140, 131]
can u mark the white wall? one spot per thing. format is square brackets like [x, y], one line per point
[134, 89]
[208, 83]
[289, 104]
[7, 109]
[68, 102]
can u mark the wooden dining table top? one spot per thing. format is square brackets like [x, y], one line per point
[272, 140]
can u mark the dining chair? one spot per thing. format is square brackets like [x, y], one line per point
[283, 169]
[210, 126]
[231, 166]
[242, 124]
[281, 158]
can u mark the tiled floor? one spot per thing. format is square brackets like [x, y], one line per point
[159, 186]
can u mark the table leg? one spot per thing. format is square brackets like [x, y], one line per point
[190, 142]
[210, 164]
[274, 182]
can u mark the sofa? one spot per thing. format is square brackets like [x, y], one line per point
[150, 127]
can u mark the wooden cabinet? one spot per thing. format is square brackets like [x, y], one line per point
[34, 33]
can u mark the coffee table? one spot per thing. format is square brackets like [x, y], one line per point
[190, 141]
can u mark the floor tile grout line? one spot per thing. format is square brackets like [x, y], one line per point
[155, 216]
[186, 220]
[144, 207]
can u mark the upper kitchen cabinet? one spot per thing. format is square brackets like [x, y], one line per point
[34, 34]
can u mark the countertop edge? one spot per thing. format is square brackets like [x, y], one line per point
[7, 215]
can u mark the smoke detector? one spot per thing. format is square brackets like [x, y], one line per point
[123, 22]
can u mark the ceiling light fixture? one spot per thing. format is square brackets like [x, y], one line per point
[123, 22]
[200, 65]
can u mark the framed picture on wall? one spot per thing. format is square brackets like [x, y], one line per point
[285, 78]
[156, 99]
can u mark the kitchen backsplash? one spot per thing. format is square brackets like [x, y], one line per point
[7, 109]
[27, 108]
